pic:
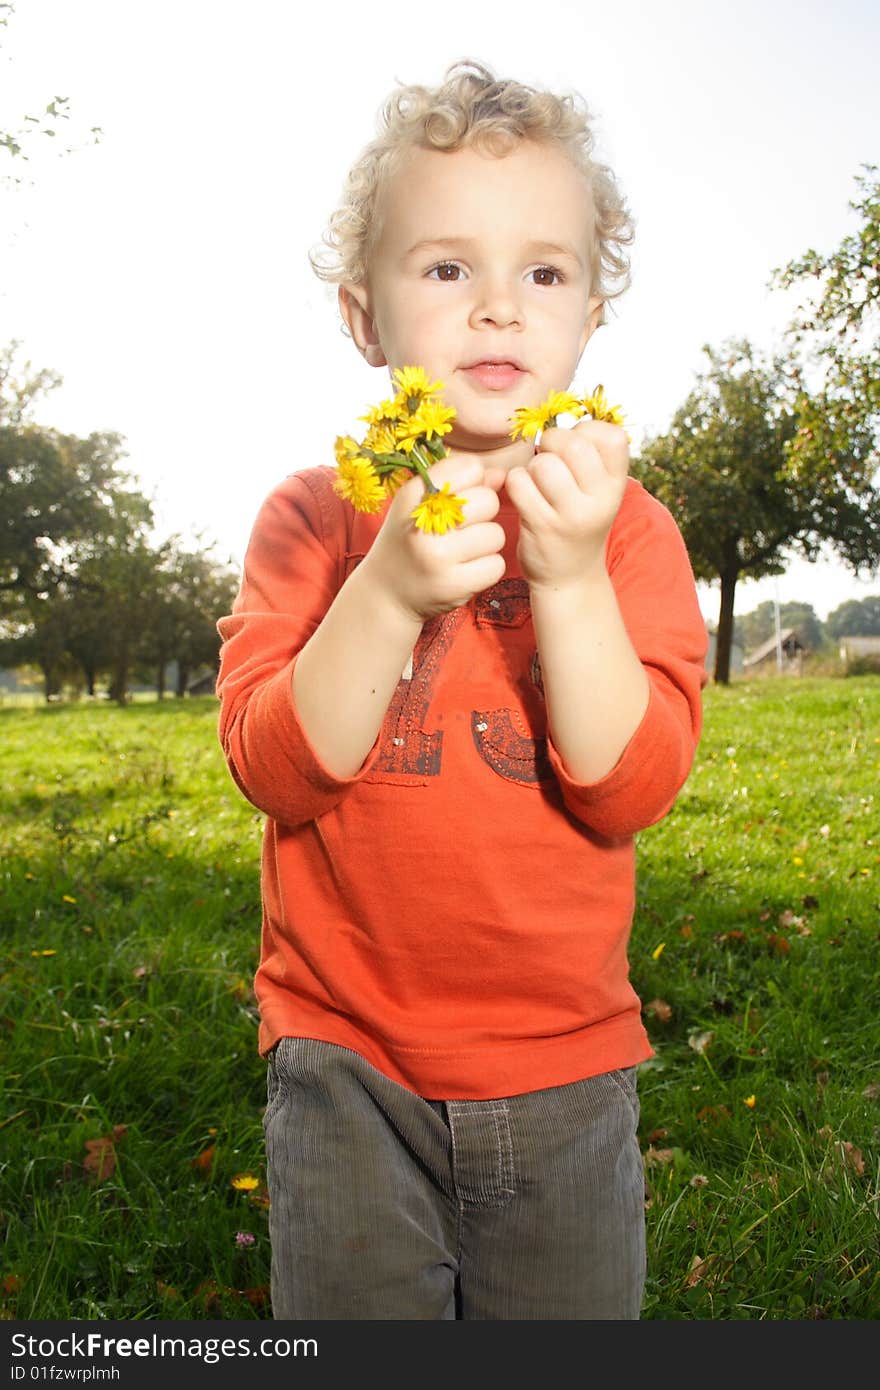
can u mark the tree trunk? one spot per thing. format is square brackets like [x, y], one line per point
[160, 681]
[51, 683]
[119, 684]
[182, 679]
[724, 637]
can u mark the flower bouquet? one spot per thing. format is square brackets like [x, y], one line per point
[405, 438]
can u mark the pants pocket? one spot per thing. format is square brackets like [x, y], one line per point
[276, 1081]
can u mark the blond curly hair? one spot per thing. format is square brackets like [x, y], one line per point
[473, 107]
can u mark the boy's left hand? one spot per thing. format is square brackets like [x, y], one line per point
[567, 497]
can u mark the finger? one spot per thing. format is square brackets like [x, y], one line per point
[611, 441]
[481, 504]
[555, 480]
[494, 478]
[526, 496]
[469, 543]
[578, 454]
[459, 471]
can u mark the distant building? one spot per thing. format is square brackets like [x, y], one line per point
[861, 652]
[766, 658]
[204, 684]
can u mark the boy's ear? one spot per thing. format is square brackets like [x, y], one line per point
[354, 306]
[595, 318]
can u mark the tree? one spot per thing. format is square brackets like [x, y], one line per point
[41, 642]
[119, 573]
[838, 324]
[856, 618]
[194, 590]
[55, 490]
[17, 142]
[743, 497]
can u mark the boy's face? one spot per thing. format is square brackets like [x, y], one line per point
[480, 274]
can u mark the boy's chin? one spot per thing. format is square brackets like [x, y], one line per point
[482, 429]
[476, 440]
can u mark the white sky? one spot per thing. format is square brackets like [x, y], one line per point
[164, 272]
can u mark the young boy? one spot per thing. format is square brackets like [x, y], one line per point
[455, 738]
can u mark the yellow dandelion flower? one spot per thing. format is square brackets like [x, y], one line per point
[432, 417]
[412, 381]
[245, 1182]
[563, 403]
[658, 951]
[438, 511]
[751, 1102]
[344, 448]
[597, 406]
[395, 480]
[528, 420]
[360, 484]
[381, 438]
[47, 951]
[385, 413]
[404, 443]
[66, 898]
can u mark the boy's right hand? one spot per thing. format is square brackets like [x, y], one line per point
[427, 574]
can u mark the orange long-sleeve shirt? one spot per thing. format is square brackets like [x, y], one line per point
[458, 912]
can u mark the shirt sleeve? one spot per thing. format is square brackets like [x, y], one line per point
[292, 571]
[654, 584]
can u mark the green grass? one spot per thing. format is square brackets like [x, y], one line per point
[131, 927]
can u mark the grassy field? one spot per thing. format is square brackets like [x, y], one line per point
[133, 1183]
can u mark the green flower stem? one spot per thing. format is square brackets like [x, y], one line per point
[421, 467]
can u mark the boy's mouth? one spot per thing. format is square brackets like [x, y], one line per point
[494, 374]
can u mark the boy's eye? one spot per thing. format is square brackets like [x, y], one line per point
[447, 270]
[549, 275]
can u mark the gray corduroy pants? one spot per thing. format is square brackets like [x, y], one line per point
[387, 1206]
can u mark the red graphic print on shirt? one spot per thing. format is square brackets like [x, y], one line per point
[406, 746]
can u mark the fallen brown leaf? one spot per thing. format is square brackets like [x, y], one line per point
[713, 1113]
[210, 1294]
[851, 1157]
[257, 1297]
[100, 1159]
[653, 1157]
[659, 1009]
[203, 1161]
[779, 944]
[700, 1267]
[790, 919]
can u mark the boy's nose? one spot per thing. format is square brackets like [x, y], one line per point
[496, 301]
